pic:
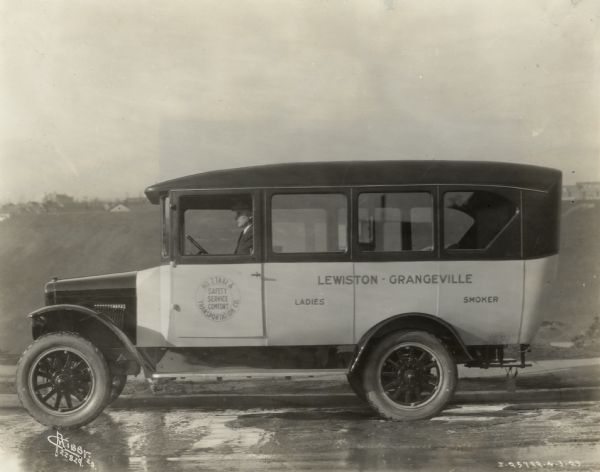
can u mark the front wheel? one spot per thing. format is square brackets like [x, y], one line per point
[409, 375]
[63, 380]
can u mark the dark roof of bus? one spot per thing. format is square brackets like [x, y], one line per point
[355, 173]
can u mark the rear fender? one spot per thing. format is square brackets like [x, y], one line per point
[411, 321]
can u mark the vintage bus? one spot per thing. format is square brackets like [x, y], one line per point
[392, 272]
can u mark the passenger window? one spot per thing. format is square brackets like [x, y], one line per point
[395, 221]
[309, 223]
[217, 225]
[472, 220]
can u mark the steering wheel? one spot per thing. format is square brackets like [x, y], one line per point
[201, 250]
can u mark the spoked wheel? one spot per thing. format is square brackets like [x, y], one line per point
[409, 376]
[63, 380]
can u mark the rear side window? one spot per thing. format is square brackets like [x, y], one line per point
[309, 223]
[395, 221]
[474, 220]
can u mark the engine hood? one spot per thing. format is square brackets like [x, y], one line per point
[123, 280]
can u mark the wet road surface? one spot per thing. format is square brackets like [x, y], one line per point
[464, 437]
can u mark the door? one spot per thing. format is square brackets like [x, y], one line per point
[395, 250]
[308, 275]
[216, 280]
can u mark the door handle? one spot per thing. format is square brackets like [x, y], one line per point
[258, 274]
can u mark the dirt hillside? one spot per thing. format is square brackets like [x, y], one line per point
[34, 248]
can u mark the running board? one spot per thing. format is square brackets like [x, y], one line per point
[250, 374]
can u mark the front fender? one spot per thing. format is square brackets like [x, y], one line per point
[57, 310]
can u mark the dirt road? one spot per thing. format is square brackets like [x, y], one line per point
[470, 437]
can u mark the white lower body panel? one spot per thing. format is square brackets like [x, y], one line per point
[153, 300]
[482, 300]
[540, 275]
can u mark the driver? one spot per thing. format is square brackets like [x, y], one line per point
[245, 243]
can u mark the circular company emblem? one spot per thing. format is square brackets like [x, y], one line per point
[218, 298]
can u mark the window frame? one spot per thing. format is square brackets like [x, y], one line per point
[178, 220]
[272, 256]
[413, 255]
[166, 226]
[492, 251]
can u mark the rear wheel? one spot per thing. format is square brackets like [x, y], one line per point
[409, 375]
[63, 380]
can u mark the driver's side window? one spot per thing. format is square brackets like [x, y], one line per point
[217, 225]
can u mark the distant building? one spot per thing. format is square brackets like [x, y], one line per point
[120, 208]
[589, 190]
[581, 191]
[571, 192]
[137, 203]
[59, 200]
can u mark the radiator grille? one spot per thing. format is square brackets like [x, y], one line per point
[114, 311]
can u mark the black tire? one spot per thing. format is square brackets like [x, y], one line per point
[117, 385]
[63, 380]
[356, 383]
[409, 375]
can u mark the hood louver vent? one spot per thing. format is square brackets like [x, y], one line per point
[115, 311]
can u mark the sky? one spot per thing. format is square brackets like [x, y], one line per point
[103, 98]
